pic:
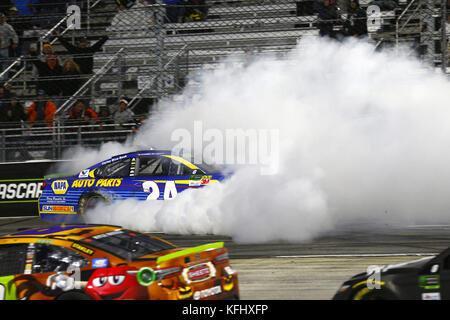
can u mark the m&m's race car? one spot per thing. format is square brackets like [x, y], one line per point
[83, 262]
[143, 175]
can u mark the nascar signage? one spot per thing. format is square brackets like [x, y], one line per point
[21, 186]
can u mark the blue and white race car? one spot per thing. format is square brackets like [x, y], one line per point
[142, 175]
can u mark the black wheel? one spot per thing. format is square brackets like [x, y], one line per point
[73, 295]
[88, 202]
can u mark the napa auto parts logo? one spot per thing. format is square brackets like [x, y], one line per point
[60, 186]
[20, 190]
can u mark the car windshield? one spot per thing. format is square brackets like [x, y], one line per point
[126, 244]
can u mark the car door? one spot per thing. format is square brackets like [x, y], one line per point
[12, 264]
[113, 181]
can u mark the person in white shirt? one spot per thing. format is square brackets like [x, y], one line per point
[123, 115]
[8, 38]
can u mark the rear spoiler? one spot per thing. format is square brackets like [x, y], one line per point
[185, 252]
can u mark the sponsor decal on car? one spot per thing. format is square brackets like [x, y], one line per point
[431, 296]
[83, 183]
[60, 186]
[84, 174]
[429, 282]
[57, 209]
[199, 272]
[207, 292]
[206, 179]
[100, 263]
[83, 249]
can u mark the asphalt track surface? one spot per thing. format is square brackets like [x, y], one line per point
[310, 270]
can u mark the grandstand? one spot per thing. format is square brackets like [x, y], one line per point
[147, 56]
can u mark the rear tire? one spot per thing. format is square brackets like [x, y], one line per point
[88, 202]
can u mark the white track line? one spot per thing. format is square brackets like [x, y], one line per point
[369, 255]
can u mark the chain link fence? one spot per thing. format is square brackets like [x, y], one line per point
[103, 53]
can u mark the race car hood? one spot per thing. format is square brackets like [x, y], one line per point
[412, 265]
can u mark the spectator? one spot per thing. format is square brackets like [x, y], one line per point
[328, 17]
[174, 11]
[196, 10]
[8, 40]
[19, 25]
[49, 71]
[83, 53]
[71, 78]
[80, 114]
[4, 97]
[356, 23]
[104, 117]
[42, 111]
[123, 115]
[13, 112]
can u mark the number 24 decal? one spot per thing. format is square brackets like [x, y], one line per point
[170, 190]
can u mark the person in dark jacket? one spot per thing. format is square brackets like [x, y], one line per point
[71, 78]
[13, 113]
[328, 17]
[174, 11]
[356, 23]
[80, 114]
[49, 72]
[83, 53]
[196, 10]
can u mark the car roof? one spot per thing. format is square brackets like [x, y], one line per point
[63, 232]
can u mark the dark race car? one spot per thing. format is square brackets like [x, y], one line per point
[423, 279]
[144, 175]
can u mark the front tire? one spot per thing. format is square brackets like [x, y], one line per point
[73, 295]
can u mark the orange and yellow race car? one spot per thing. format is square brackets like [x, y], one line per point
[81, 262]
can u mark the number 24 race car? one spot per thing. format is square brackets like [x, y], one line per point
[143, 175]
[110, 263]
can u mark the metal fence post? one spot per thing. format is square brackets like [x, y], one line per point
[3, 145]
[119, 76]
[88, 20]
[428, 19]
[160, 36]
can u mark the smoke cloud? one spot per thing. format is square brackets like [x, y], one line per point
[363, 141]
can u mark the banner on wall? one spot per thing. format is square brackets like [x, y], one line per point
[21, 187]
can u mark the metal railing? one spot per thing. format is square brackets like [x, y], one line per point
[41, 140]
